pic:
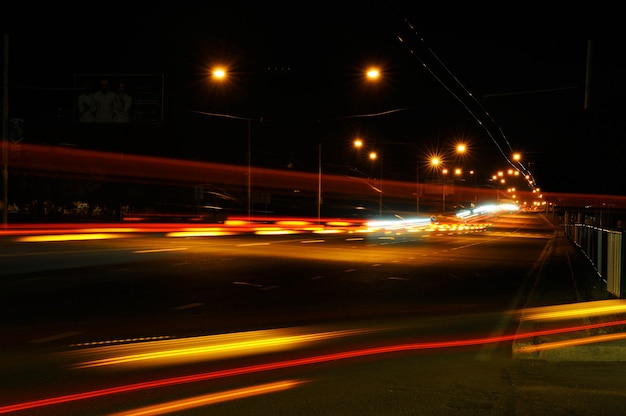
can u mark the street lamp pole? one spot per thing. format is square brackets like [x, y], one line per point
[319, 182]
[443, 189]
[249, 171]
[417, 189]
[380, 198]
[375, 156]
[4, 145]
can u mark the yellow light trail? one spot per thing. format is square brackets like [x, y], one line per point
[69, 237]
[576, 310]
[207, 347]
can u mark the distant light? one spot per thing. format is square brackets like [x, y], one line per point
[219, 73]
[373, 73]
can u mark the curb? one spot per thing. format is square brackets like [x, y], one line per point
[534, 340]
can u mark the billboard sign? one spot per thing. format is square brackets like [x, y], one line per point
[118, 98]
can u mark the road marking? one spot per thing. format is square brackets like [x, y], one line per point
[159, 250]
[311, 241]
[30, 279]
[397, 278]
[54, 337]
[188, 306]
[247, 284]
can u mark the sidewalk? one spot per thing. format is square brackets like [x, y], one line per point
[567, 277]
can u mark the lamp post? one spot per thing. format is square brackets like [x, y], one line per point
[319, 182]
[444, 172]
[417, 189]
[220, 74]
[373, 155]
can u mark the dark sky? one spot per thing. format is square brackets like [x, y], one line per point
[503, 79]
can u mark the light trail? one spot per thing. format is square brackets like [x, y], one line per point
[208, 399]
[317, 359]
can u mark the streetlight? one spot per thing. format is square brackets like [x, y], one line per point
[435, 162]
[220, 74]
[319, 181]
[373, 155]
[444, 172]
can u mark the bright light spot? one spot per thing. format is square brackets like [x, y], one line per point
[373, 73]
[219, 73]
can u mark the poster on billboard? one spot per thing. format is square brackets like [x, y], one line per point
[118, 98]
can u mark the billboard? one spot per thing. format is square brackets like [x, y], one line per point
[118, 98]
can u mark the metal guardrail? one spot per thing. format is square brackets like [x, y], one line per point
[605, 250]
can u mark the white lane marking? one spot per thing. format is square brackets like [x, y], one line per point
[247, 284]
[317, 277]
[159, 250]
[397, 278]
[54, 337]
[376, 265]
[252, 244]
[355, 239]
[349, 270]
[30, 279]
[311, 241]
[188, 306]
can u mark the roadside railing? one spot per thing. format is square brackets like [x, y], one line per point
[605, 250]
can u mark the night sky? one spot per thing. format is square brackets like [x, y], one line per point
[503, 80]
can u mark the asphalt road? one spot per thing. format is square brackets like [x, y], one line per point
[299, 324]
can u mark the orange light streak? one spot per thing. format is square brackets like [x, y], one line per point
[288, 364]
[213, 398]
[208, 347]
[571, 342]
[576, 310]
[68, 237]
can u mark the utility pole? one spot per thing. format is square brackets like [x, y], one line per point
[588, 75]
[5, 134]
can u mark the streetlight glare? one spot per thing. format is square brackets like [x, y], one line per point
[358, 143]
[373, 73]
[461, 148]
[373, 155]
[219, 73]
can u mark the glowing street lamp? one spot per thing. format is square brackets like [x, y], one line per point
[220, 74]
[373, 155]
[372, 73]
[444, 172]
